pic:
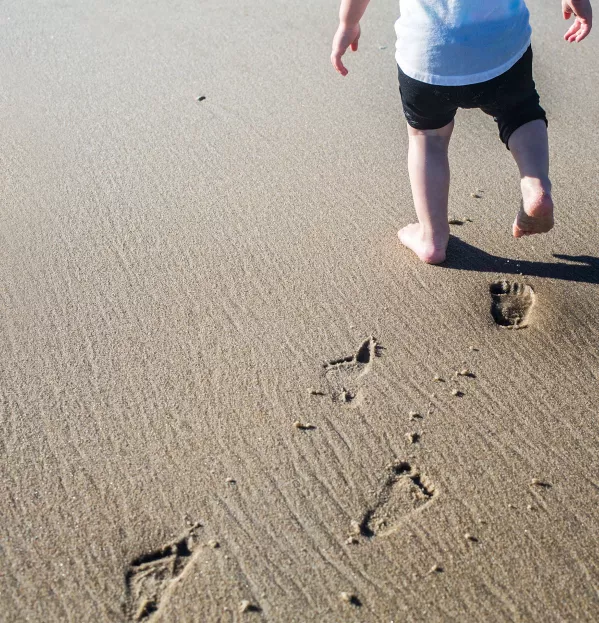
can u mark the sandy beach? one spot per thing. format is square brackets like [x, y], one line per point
[227, 393]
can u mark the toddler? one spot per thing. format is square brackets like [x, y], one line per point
[466, 54]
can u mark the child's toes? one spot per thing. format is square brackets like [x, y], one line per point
[518, 233]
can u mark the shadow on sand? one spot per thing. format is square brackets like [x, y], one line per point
[464, 256]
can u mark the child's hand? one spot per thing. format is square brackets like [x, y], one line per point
[583, 23]
[345, 37]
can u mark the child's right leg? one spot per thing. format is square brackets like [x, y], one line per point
[529, 146]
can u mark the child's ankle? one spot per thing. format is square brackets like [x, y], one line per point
[430, 249]
[534, 188]
[438, 235]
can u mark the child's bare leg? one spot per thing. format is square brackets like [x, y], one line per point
[428, 166]
[530, 148]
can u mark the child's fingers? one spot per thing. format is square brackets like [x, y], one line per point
[338, 63]
[574, 35]
[344, 38]
[585, 29]
[572, 31]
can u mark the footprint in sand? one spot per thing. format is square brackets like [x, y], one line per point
[511, 303]
[152, 577]
[404, 490]
[343, 376]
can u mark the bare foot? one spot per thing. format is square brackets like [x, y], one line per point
[429, 250]
[535, 218]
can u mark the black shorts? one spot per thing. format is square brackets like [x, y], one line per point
[511, 99]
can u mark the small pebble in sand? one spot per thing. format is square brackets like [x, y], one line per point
[476, 195]
[466, 372]
[511, 506]
[414, 415]
[350, 598]
[231, 481]
[315, 392]
[436, 569]
[457, 392]
[470, 537]
[192, 524]
[213, 544]
[352, 540]
[438, 379]
[201, 98]
[248, 606]
[530, 507]
[355, 528]
[345, 396]
[303, 425]
[413, 437]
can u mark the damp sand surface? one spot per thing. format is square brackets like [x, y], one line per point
[199, 251]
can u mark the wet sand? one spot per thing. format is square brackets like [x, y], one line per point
[226, 392]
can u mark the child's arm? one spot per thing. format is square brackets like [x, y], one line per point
[348, 33]
[583, 23]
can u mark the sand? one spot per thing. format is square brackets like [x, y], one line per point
[183, 279]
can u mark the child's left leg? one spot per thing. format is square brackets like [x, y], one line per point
[428, 166]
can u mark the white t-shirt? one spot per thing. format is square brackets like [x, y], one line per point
[458, 42]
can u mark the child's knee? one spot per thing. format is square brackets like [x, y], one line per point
[430, 140]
